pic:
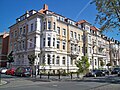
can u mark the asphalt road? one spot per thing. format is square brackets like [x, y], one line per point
[99, 83]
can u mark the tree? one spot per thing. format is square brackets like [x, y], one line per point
[10, 58]
[31, 59]
[108, 14]
[83, 65]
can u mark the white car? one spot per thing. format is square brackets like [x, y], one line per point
[3, 70]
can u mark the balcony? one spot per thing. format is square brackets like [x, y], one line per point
[49, 49]
[74, 54]
[73, 41]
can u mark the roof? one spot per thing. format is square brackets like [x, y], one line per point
[93, 28]
[82, 21]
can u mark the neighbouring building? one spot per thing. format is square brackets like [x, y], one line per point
[57, 41]
[4, 42]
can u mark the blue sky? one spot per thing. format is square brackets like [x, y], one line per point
[73, 9]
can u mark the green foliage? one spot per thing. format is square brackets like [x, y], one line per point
[108, 14]
[10, 57]
[31, 59]
[83, 65]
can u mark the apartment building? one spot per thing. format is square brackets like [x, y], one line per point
[99, 48]
[4, 41]
[57, 41]
[54, 39]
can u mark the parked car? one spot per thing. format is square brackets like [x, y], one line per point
[11, 71]
[95, 73]
[119, 73]
[106, 72]
[23, 71]
[115, 70]
[3, 70]
[8, 72]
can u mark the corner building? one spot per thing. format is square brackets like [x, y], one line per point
[54, 39]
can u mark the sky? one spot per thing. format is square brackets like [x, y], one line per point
[73, 9]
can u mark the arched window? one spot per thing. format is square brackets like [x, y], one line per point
[63, 61]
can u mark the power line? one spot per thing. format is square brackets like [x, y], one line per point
[82, 10]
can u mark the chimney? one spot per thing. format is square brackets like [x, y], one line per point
[45, 7]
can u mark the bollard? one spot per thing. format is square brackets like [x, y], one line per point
[59, 74]
[71, 75]
[77, 75]
[48, 75]
[40, 75]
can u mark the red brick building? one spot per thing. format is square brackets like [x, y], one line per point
[4, 43]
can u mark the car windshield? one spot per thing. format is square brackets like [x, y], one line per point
[27, 69]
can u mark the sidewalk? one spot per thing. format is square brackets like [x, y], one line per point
[2, 82]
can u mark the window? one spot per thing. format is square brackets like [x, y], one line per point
[54, 25]
[78, 36]
[89, 38]
[20, 31]
[82, 37]
[53, 60]
[63, 61]
[58, 30]
[85, 49]
[90, 50]
[79, 48]
[71, 47]
[49, 24]
[64, 45]
[19, 45]
[75, 48]
[95, 62]
[23, 44]
[24, 29]
[15, 47]
[53, 42]
[64, 32]
[34, 42]
[75, 35]
[71, 62]
[43, 42]
[32, 27]
[49, 40]
[15, 33]
[44, 26]
[71, 33]
[43, 61]
[58, 44]
[11, 35]
[57, 60]
[30, 42]
[48, 59]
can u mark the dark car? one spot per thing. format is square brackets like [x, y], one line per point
[23, 71]
[95, 73]
[119, 73]
[115, 71]
[106, 72]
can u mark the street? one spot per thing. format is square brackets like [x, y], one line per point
[89, 83]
